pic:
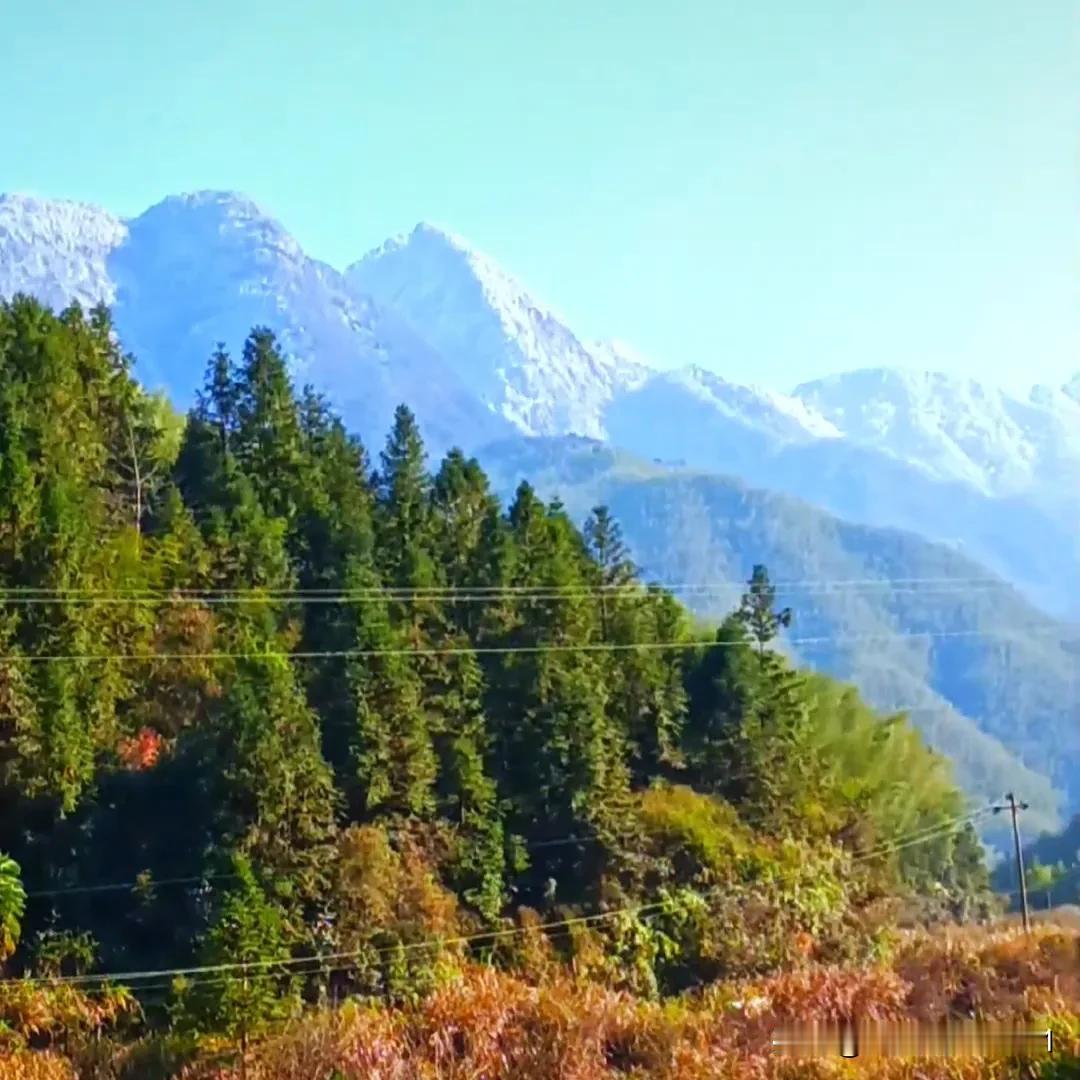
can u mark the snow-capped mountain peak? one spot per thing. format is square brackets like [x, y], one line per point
[953, 428]
[57, 249]
[220, 221]
[449, 253]
[205, 267]
[515, 352]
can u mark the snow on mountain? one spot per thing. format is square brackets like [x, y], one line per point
[515, 353]
[57, 250]
[997, 477]
[925, 453]
[955, 429]
[697, 417]
[427, 319]
[788, 419]
[206, 267]
[522, 360]
[1072, 388]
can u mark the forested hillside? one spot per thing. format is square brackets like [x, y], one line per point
[987, 677]
[267, 701]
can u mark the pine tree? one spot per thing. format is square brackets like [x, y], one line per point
[332, 542]
[758, 612]
[61, 376]
[462, 514]
[722, 686]
[268, 438]
[395, 754]
[216, 403]
[647, 699]
[751, 738]
[615, 570]
[247, 929]
[278, 803]
[403, 522]
[394, 760]
[559, 757]
[465, 540]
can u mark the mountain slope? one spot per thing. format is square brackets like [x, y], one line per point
[957, 429]
[59, 251]
[514, 353]
[428, 321]
[989, 679]
[769, 443]
[204, 268]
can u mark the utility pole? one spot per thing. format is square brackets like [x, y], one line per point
[243, 1031]
[1013, 806]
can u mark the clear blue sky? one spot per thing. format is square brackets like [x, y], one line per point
[773, 189]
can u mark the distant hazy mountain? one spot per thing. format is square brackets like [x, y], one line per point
[958, 429]
[1030, 538]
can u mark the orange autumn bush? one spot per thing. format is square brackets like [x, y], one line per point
[142, 750]
[494, 1027]
[25, 1065]
[34, 1015]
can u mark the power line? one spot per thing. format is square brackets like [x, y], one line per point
[509, 650]
[555, 929]
[922, 836]
[343, 598]
[290, 962]
[16, 594]
[148, 883]
[473, 595]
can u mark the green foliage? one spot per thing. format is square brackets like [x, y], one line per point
[991, 694]
[63, 952]
[1053, 858]
[245, 938]
[741, 902]
[1043, 877]
[881, 781]
[375, 716]
[750, 735]
[12, 905]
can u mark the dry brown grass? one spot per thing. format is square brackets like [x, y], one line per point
[493, 1026]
